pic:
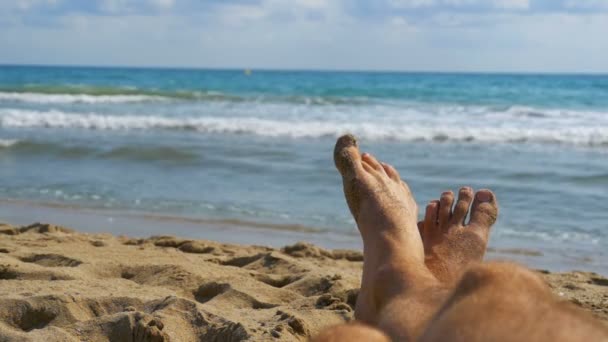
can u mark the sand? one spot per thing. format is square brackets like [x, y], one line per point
[60, 285]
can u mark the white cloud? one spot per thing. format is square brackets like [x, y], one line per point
[511, 4]
[238, 15]
[586, 4]
[312, 4]
[123, 7]
[25, 5]
[499, 4]
[411, 3]
[163, 4]
[114, 6]
[318, 34]
[280, 11]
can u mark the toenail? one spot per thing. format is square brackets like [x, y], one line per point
[483, 196]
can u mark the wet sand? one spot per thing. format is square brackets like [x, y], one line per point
[60, 285]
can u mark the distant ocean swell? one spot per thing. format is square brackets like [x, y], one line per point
[124, 152]
[46, 96]
[193, 156]
[75, 98]
[66, 94]
[88, 95]
[422, 128]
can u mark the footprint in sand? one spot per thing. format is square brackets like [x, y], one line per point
[51, 260]
[148, 329]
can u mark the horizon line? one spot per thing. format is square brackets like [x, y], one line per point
[321, 70]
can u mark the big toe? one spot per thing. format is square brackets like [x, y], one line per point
[347, 156]
[484, 210]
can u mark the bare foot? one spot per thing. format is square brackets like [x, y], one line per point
[450, 244]
[386, 215]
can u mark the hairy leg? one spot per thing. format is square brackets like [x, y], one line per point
[353, 332]
[450, 296]
[452, 244]
[499, 302]
[506, 302]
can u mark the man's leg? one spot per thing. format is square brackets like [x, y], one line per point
[506, 302]
[406, 295]
[353, 332]
[494, 301]
[400, 292]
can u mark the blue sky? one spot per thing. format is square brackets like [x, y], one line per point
[441, 35]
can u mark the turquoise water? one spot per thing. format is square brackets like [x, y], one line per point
[248, 158]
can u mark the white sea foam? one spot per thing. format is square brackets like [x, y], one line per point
[549, 235]
[405, 129]
[75, 98]
[8, 142]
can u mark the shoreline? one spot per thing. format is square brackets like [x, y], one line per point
[59, 284]
[226, 230]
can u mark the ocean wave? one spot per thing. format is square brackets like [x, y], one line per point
[404, 130]
[123, 152]
[549, 236]
[530, 113]
[4, 143]
[601, 178]
[75, 98]
[65, 94]
[151, 153]
[115, 95]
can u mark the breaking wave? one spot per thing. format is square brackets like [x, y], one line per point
[117, 95]
[4, 143]
[75, 98]
[396, 130]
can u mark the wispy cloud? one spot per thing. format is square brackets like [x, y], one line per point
[532, 35]
[459, 4]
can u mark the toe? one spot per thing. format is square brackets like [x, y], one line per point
[430, 218]
[367, 167]
[353, 170]
[445, 208]
[485, 209]
[347, 156]
[421, 229]
[461, 209]
[372, 161]
[391, 172]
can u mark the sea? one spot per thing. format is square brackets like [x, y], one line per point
[245, 156]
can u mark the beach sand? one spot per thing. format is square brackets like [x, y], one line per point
[60, 285]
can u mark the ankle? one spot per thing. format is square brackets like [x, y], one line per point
[402, 279]
[389, 247]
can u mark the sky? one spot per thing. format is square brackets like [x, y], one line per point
[405, 35]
